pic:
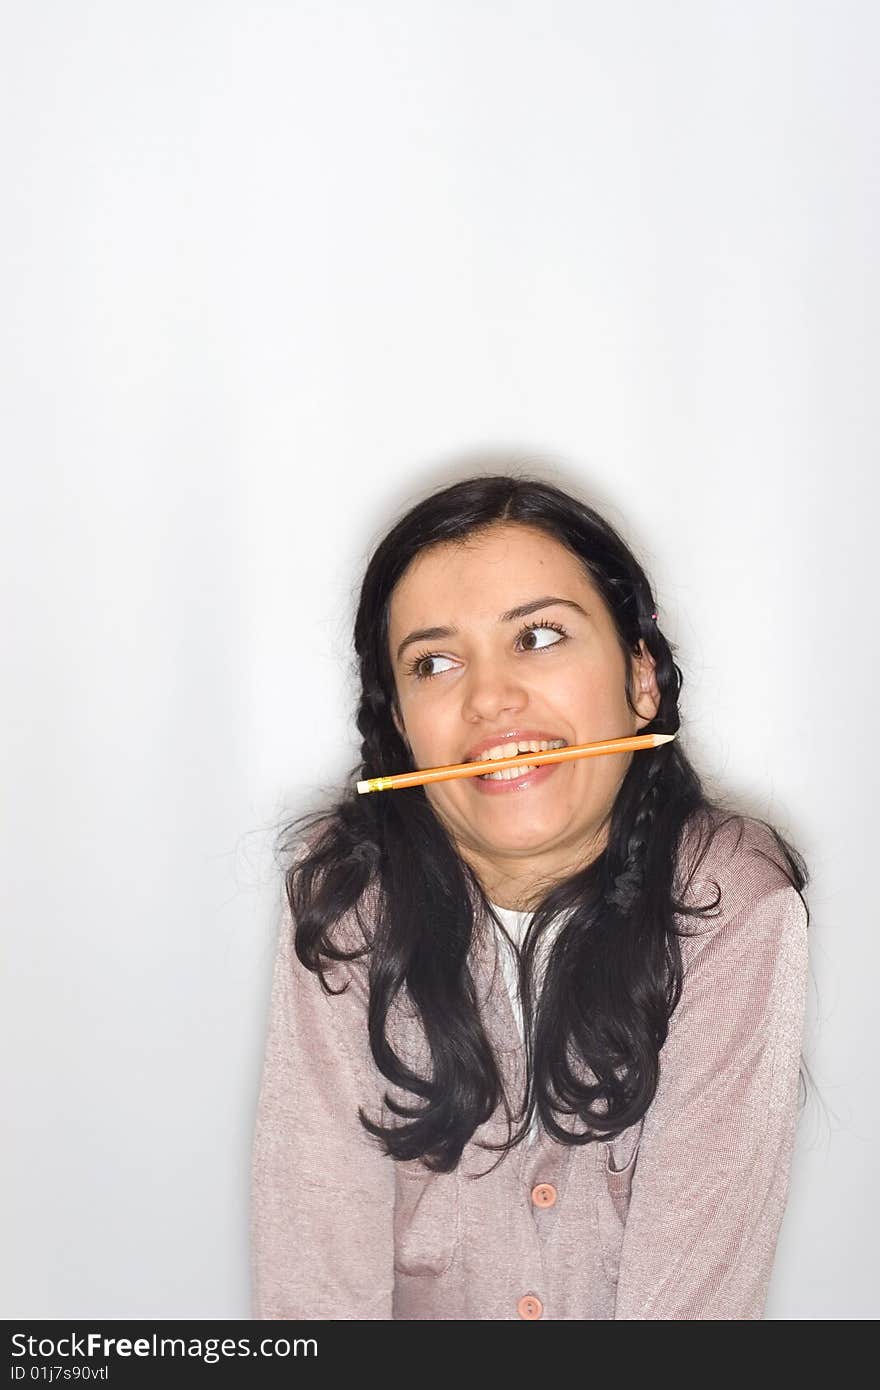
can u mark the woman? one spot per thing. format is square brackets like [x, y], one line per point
[533, 1088]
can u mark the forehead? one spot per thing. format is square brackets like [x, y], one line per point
[481, 576]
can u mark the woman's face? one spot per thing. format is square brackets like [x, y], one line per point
[486, 680]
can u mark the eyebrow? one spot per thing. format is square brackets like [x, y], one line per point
[429, 634]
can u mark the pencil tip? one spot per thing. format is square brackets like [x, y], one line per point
[662, 738]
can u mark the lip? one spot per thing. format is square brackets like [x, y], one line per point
[516, 784]
[474, 753]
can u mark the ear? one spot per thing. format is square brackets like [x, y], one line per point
[647, 691]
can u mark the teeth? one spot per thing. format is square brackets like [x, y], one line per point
[510, 750]
[507, 774]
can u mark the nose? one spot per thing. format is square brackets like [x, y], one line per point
[490, 692]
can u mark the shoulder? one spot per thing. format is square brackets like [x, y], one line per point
[734, 855]
[354, 932]
[733, 865]
[352, 929]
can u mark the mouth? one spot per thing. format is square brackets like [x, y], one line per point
[519, 749]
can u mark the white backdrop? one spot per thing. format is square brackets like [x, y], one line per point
[267, 270]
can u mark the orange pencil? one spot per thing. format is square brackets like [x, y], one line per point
[551, 755]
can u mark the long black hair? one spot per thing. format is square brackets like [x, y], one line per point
[614, 975]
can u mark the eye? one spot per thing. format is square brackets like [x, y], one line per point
[418, 661]
[539, 627]
[413, 667]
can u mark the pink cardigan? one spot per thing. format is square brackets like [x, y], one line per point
[677, 1218]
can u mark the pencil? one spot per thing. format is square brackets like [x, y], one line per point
[632, 743]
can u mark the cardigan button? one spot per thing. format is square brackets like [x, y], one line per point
[529, 1306]
[544, 1195]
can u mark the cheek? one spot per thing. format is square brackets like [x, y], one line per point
[587, 694]
[428, 734]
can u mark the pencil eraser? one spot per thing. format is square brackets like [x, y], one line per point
[363, 786]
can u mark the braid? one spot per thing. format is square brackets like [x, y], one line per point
[628, 882]
[365, 823]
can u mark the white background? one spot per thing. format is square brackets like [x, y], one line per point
[268, 269]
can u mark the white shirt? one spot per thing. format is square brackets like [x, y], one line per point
[517, 924]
